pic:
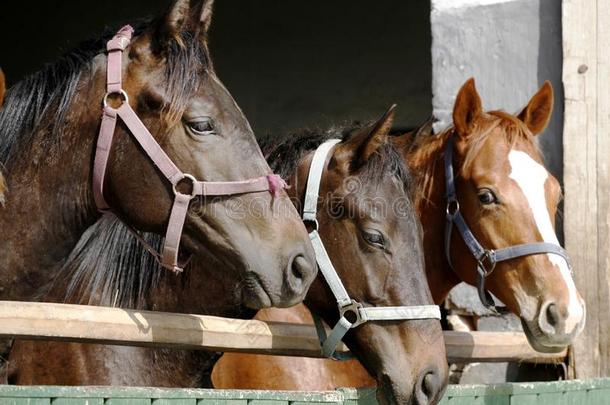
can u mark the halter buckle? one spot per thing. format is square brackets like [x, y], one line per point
[353, 308]
[122, 93]
[487, 262]
[453, 207]
[193, 182]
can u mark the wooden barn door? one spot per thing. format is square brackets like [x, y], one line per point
[586, 140]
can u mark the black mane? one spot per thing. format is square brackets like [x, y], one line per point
[284, 154]
[44, 97]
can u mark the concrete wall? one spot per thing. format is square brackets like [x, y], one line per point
[510, 46]
[288, 63]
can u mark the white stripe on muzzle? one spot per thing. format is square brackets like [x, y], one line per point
[531, 176]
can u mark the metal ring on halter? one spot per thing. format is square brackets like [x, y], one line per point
[121, 92]
[487, 262]
[453, 207]
[354, 308]
[193, 181]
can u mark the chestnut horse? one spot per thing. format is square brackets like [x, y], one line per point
[48, 132]
[372, 234]
[506, 196]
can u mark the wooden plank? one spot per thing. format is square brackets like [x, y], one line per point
[78, 401]
[211, 401]
[586, 32]
[217, 397]
[127, 401]
[580, 392]
[174, 401]
[147, 328]
[603, 184]
[494, 346]
[25, 401]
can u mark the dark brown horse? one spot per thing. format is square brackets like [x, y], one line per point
[507, 197]
[48, 130]
[370, 229]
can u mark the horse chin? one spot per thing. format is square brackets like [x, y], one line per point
[534, 337]
[399, 390]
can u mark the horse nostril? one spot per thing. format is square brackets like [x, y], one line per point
[298, 267]
[429, 387]
[552, 315]
[298, 273]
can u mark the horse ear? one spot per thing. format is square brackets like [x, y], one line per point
[466, 109]
[183, 17]
[367, 141]
[537, 114]
[2, 87]
[205, 17]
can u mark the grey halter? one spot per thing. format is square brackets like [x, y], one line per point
[486, 258]
[351, 312]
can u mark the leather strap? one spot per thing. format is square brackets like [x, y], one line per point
[115, 48]
[102, 152]
[312, 192]
[114, 86]
[328, 271]
[272, 183]
[346, 305]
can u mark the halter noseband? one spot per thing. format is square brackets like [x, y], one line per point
[169, 257]
[486, 258]
[348, 307]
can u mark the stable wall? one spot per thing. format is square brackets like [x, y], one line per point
[510, 47]
[289, 64]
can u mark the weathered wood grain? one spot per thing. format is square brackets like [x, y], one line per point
[147, 328]
[586, 75]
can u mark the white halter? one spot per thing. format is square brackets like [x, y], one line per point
[357, 313]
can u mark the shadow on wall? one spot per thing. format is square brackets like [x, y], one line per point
[289, 64]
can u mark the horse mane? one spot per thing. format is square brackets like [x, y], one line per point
[426, 151]
[284, 153]
[42, 100]
[109, 267]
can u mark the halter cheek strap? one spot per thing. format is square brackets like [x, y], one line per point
[351, 312]
[486, 258]
[169, 257]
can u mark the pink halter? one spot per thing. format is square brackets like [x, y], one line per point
[169, 257]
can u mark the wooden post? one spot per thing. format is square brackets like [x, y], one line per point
[89, 324]
[586, 140]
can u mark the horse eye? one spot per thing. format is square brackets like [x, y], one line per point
[374, 238]
[202, 126]
[487, 197]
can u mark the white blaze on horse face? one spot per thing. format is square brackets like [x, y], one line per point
[531, 177]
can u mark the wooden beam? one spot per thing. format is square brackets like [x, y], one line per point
[586, 73]
[471, 347]
[116, 326]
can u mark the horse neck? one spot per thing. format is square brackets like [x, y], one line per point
[72, 364]
[48, 206]
[431, 209]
